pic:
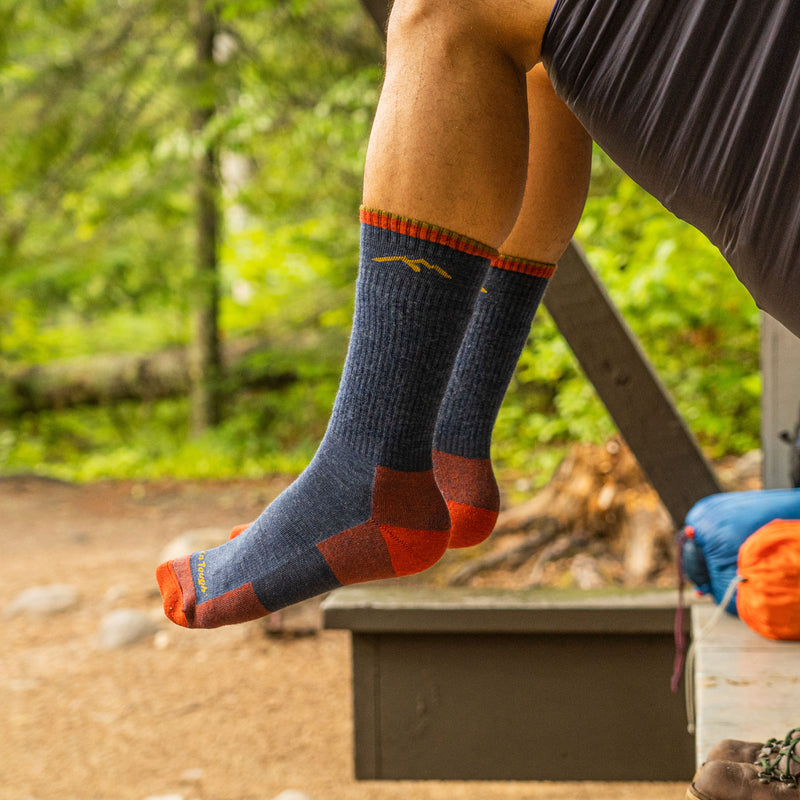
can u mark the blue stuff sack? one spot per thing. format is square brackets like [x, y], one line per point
[718, 525]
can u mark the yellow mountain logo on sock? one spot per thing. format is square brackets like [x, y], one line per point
[416, 264]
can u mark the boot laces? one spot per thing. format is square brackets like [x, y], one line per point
[776, 758]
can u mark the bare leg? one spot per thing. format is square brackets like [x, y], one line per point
[450, 149]
[450, 140]
[558, 176]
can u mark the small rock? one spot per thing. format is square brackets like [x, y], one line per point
[585, 572]
[749, 465]
[742, 473]
[301, 619]
[115, 593]
[44, 600]
[192, 775]
[22, 685]
[164, 797]
[292, 794]
[123, 627]
[190, 541]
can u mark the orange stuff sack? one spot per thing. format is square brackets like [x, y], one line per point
[769, 567]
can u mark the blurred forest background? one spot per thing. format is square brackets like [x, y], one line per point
[179, 187]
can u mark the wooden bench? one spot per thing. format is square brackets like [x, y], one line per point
[513, 685]
[746, 687]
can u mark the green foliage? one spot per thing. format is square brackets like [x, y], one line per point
[96, 241]
[95, 183]
[96, 209]
[695, 322]
[262, 433]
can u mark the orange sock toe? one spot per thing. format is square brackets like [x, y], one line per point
[171, 592]
[239, 529]
[470, 525]
[470, 491]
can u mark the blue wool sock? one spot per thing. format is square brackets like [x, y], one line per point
[367, 507]
[489, 353]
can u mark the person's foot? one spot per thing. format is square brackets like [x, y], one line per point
[367, 507]
[470, 491]
[344, 521]
[489, 353]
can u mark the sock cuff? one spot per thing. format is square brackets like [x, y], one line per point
[537, 269]
[425, 231]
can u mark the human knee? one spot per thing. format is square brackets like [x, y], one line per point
[514, 27]
[408, 15]
[412, 19]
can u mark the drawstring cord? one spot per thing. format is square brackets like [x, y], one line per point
[680, 617]
[719, 612]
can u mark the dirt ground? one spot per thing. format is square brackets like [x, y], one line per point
[231, 714]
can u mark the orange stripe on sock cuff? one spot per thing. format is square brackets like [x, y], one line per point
[425, 231]
[538, 269]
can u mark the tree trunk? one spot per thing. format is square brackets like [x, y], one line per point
[205, 362]
[105, 379]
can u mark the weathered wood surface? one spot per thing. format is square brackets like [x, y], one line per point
[394, 607]
[746, 687]
[115, 377]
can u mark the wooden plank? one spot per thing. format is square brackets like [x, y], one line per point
[366, 657]
[780, 399]
[483, 707]
[450, 690]
[628, 386]
[746, 687]
[386, 608]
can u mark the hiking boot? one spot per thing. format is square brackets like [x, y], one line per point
[735, 750]
[773, 775]
[725, 780]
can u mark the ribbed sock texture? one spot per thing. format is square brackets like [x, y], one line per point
[489, 353]
[367, 507]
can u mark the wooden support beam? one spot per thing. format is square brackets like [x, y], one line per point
[780, 400]
[628, 386]
[621, 374]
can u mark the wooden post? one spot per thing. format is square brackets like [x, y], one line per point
[780, 399]
[628, 386]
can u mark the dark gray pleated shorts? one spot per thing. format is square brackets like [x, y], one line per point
[699, 102]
